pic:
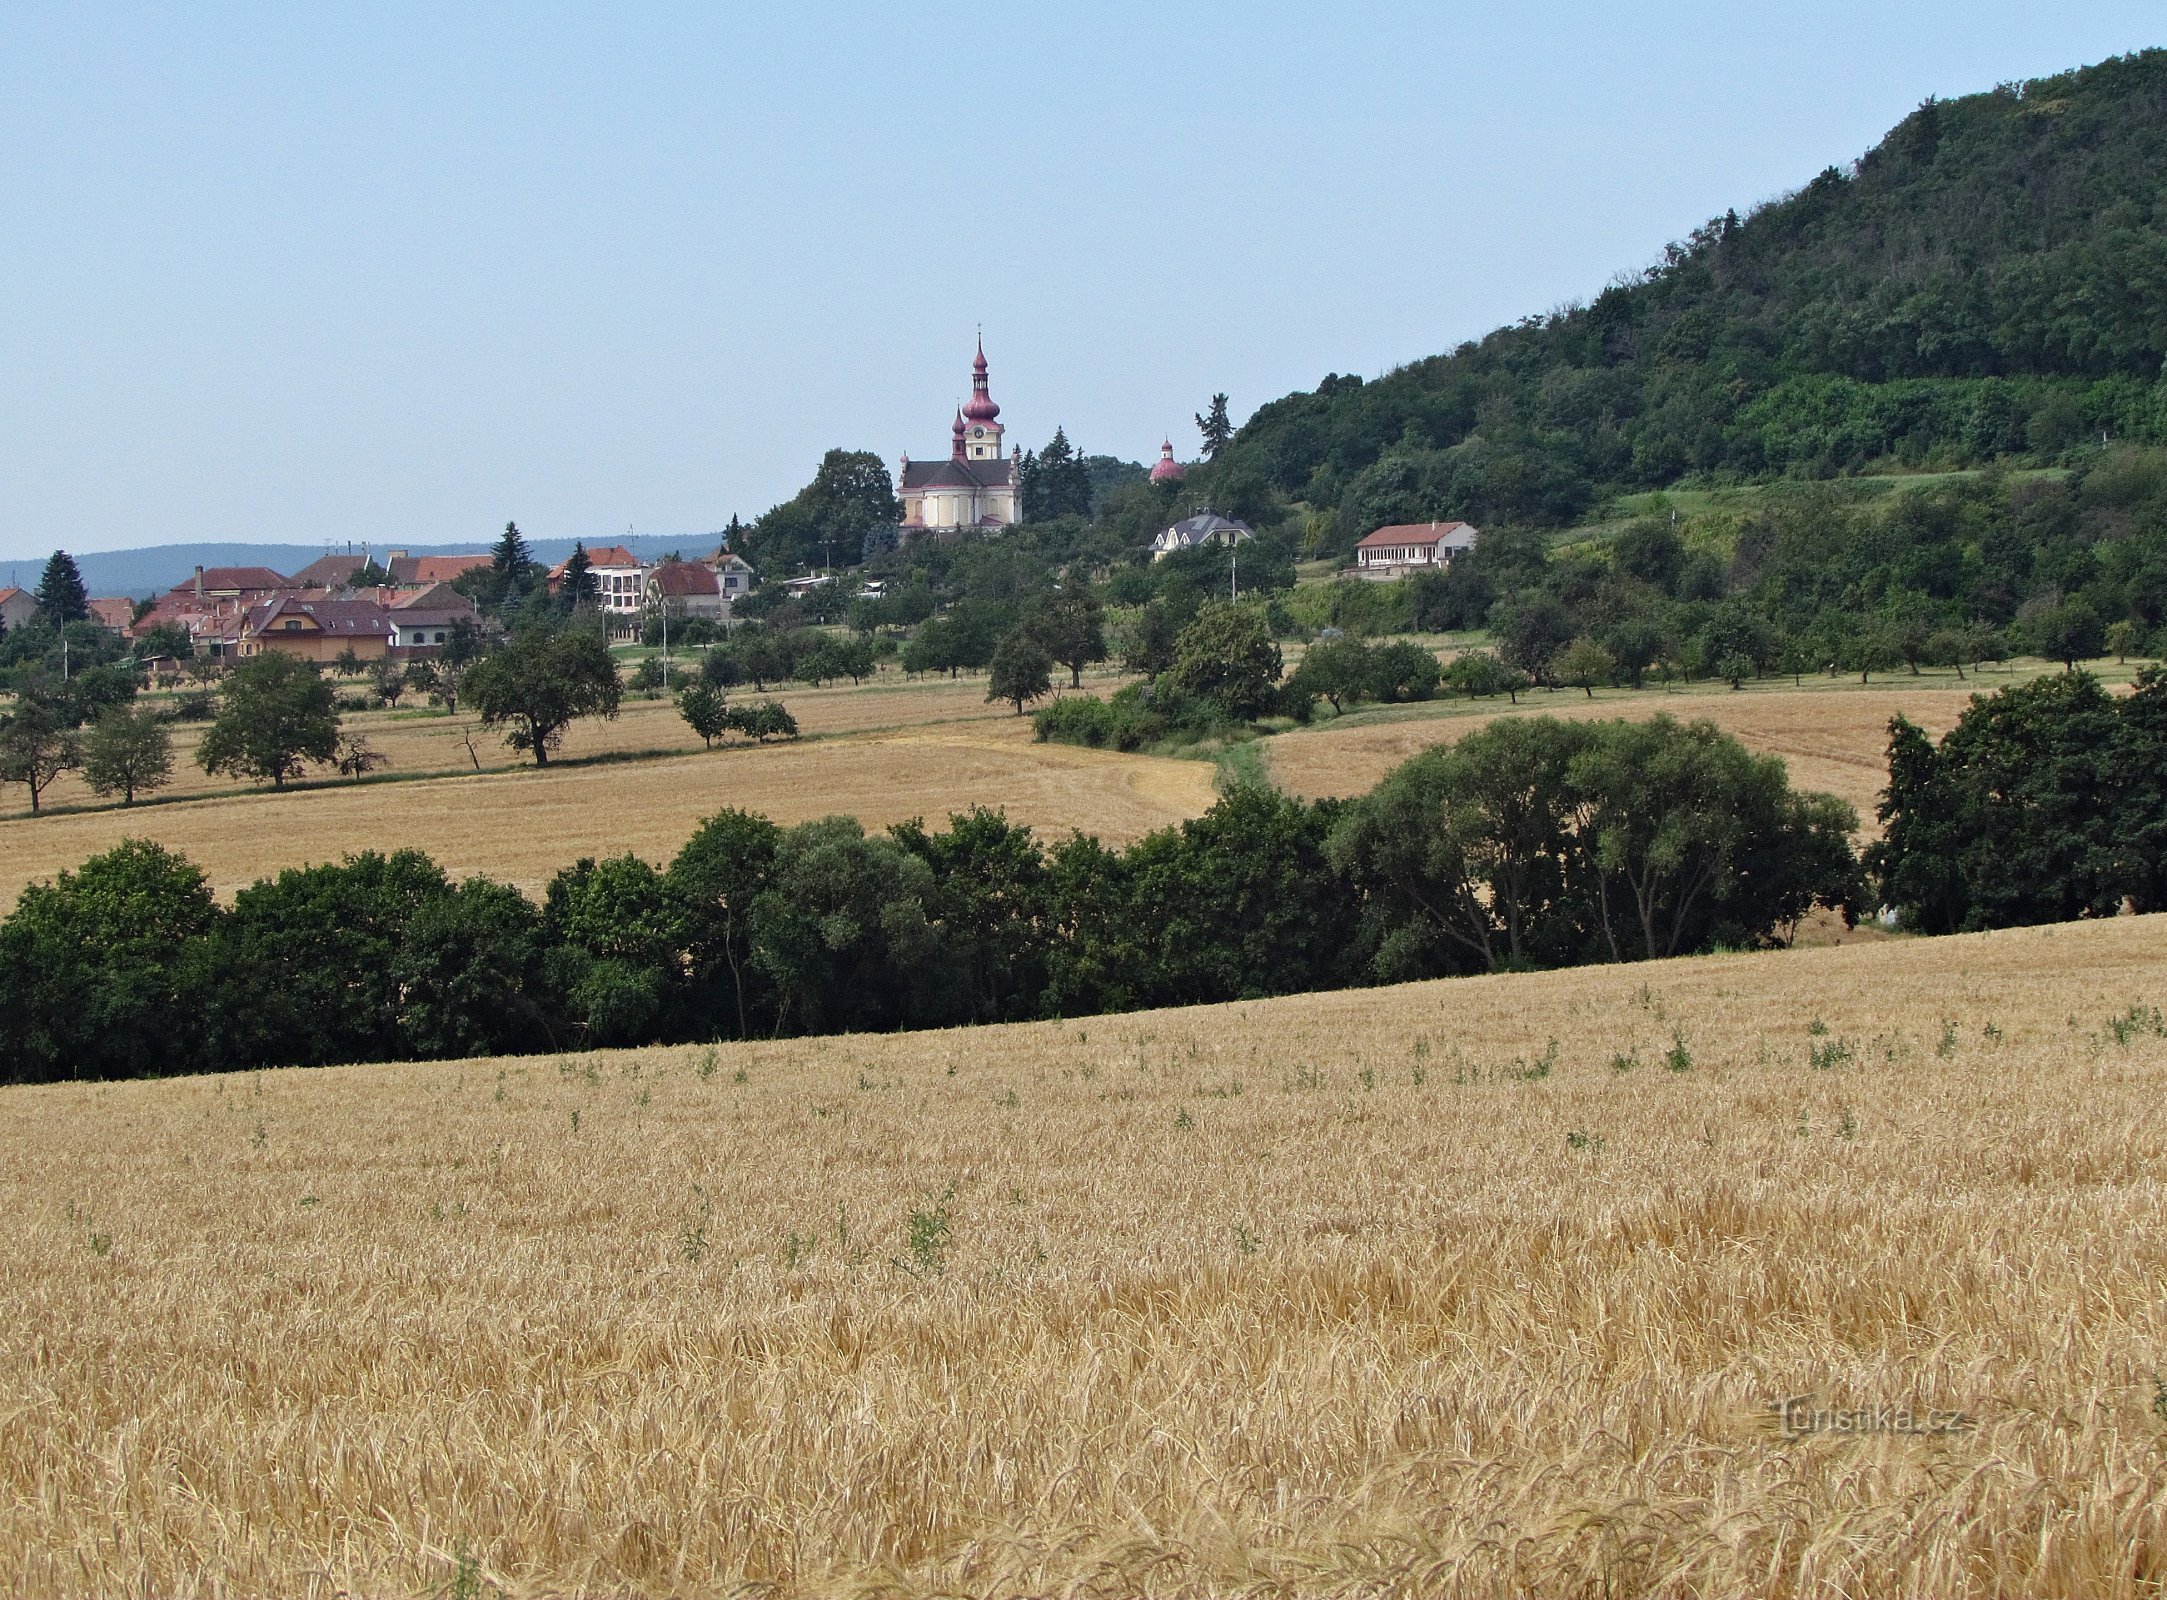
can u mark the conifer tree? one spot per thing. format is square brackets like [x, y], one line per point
[1215, 427]
[61, 596]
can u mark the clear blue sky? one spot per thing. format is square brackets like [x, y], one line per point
[399, 271]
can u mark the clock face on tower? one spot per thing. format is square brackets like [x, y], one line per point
[978, 433]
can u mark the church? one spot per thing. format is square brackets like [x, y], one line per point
[976, 487]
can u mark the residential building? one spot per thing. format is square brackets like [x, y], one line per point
[977, 486]
[734, 573]
[1206, 527]
[620, 585]
[18, 607]
[685, 589]
[422, 619]
[406, 569]
[1404, 547]
[316, 630]
[214, 605]
[330, 572]
[114, 612]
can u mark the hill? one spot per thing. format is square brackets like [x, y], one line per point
[1485, 1286]
[1989, 280]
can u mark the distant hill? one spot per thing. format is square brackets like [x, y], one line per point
[1988, 281]
[157, 568]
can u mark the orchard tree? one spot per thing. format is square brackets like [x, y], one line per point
[706, 710]
[1584, 663]
[1150, 648]
[128, 753]
[277, 716]
[1072, 628]
[1022, 670]
[541, 683]
[1227, 660]
[37, 746]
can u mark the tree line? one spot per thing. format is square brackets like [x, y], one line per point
[1632, 840]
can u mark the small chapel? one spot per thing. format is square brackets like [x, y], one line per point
[976, 487]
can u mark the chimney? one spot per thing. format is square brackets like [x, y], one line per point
[199, 583]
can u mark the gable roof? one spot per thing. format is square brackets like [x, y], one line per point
[438, 569]
[9, 592]
[950, 473]
[326, 572]
[683, 578]
[1205, 526]
[115, 611]
[600, 556]
[345, 619]
[1458, 535]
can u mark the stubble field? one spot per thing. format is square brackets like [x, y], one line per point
[1479, 1287]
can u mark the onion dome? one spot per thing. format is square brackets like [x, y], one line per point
[1168, 469]
[981, 407]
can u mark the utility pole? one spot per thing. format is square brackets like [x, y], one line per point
[1233, 572]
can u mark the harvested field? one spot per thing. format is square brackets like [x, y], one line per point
[1831, 739]
[521, 826]
[1479, 1287]
[419, 739]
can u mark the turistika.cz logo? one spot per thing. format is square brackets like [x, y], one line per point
[1801, 1417]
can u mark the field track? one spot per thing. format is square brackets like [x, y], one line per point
[1470, 1287]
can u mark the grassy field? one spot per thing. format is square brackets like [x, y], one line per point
[1481, 1287]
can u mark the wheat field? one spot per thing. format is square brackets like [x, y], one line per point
[1482, 1287]
[522, 826]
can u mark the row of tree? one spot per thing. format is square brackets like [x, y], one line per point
[1534, 843]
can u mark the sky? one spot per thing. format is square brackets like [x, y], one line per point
[401, 272]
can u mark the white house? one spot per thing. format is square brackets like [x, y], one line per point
[688, 589]
[18, 607]
[733, 573]
[1206, 527]
[1405, 547]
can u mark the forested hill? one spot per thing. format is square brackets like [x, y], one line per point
[1989, 281]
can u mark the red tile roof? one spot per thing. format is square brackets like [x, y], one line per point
[434, 569]
[1402, 533]
[260, 579]
[116, 612]
[345, 619]
[683, 578]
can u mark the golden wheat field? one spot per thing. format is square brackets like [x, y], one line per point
[1483, 1287]
[522, 826]
[1834, 740]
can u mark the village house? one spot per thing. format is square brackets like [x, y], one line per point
[686, 589]
[330, 572]
[406, 569]
[1405, 547]
[18, 608]
[422, 619]
[115, 613]
[1206, 527]
[734, 573]
[315, 630]
[620, 586]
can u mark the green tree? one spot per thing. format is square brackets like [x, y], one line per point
[62, 599]
[104, 970]
[1021, 670]
[2069, 633]
[2123, 639]
[1337, 670]
[388, 679]
[577, 590]
[1584, 663]
[37, 746]
[542, 682]
[277, 716]
[1071, 625]
[717, 881]
[1150, 649]
[1479, 674]
[2020, 816]
[467, 974]
[1226, 659]
[1215, 427]
[705, 710]
[1055, 482]
[128, 753]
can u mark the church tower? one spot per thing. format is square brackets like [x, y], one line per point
[981, 417]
